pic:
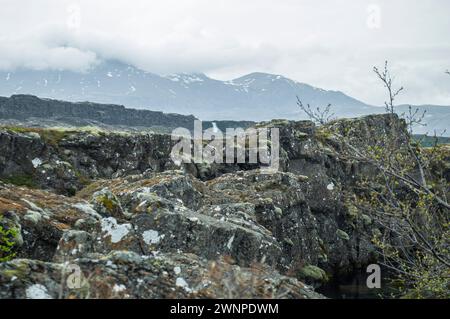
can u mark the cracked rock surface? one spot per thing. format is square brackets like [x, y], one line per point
[116, 212]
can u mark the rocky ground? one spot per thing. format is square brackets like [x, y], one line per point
[116, 210]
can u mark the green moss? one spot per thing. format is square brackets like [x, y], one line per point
[20, 180]
[18, 268]
[352, 211]
[53, 137]
[342, 235]
[157, 263]
[18, 129]
[301, 135]
[7, 243]
[366, 220]
[107, 202]
[314, 273]
[89, 189]
[50, 136]
[323, 134]
[273, 123]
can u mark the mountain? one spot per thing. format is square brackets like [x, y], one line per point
[254, 97]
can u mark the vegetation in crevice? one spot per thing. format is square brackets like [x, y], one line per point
[20, 180]
[7, 243]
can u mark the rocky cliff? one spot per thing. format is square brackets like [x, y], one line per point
[29, 110]
[115, 206]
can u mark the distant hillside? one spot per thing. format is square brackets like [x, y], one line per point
[428, 141]
[253, 97]
[256, 97]
[33, 111]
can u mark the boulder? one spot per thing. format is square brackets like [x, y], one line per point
[129, 275]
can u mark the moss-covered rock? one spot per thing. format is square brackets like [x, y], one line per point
[367, 220]
[20, 180]
[342, 235]
[107, 204]
[128, 275]
[312, 273]
[10, 236]
[352, 211]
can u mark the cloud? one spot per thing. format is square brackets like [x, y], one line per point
[41, 51]
[331, 44]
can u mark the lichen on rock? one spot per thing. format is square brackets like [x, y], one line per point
[142, 228]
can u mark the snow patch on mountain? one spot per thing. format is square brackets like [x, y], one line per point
[257, 96]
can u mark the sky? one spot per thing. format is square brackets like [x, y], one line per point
[331, 44]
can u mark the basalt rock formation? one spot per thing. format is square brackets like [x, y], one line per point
[32, 111]
[115, 207]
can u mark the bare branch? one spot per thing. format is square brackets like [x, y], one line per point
[317, 115]
[414, 118]
[386, 78]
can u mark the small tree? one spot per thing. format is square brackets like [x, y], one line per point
[407, 197]
[409, 200]
[386, 78]
[413, 117]
[317, 115]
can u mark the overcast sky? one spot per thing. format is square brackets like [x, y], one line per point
[332, 44]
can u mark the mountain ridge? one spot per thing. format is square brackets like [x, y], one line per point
[257, 96]
[32, 111]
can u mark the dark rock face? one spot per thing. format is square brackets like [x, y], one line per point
[22, 107]
[66, 161]
[31, 111]
[142, 221]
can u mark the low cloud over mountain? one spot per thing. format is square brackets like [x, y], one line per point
[255, 97]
